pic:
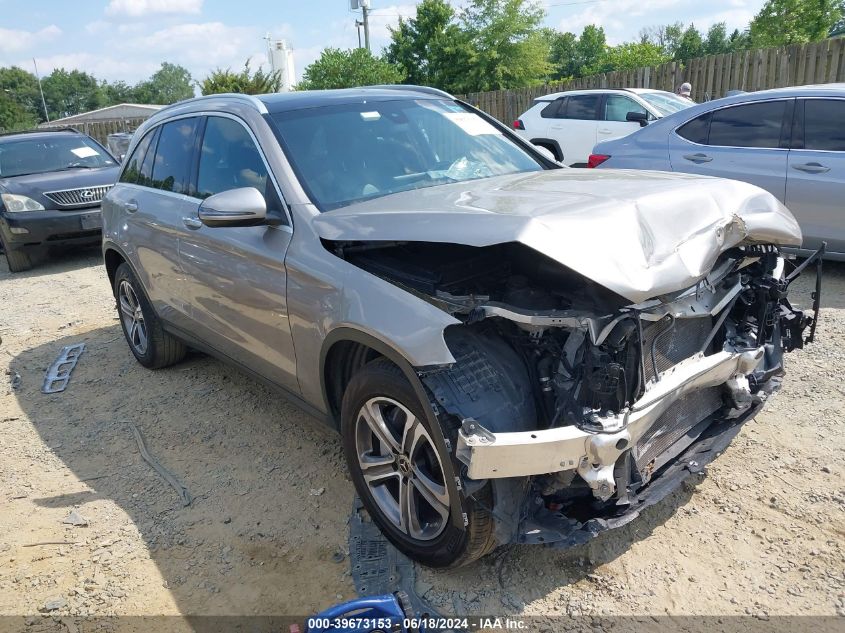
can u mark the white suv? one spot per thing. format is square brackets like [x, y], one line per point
[569, 124]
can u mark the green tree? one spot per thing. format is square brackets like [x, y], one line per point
[784, 22]
[169, 84]
[690, 46]
[424, 47]
[246, 82]
[118, 92]
[739, 40]
[628, 56]
[716, 41]
[562, 54]
[667, 37]
[506, 47]
[71, 92]
[14, 116]
[590, 49]
[348, 69]
[21, 87]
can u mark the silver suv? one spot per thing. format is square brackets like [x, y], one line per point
[512, 351]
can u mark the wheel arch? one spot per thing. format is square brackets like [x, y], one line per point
[550, 144]
[347, 349]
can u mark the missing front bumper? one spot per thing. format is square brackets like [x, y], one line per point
[497, 455]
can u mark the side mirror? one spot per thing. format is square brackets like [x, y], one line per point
[236, 207]
[639, 117]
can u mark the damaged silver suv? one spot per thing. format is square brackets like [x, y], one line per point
[512, 351]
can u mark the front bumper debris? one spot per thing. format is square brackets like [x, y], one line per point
[493, 455]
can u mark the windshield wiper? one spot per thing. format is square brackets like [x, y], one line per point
[68, 167]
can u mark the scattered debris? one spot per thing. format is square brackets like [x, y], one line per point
[76, 519]
[49, 543]
[338, 557]
[826, 469]
[169, 477]
[53, 604]
[316, 492]
[58, 375]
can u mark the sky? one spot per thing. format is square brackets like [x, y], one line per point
[128, 39]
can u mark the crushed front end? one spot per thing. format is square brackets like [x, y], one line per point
[636, 400]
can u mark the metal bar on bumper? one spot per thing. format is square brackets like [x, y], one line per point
[493, 455]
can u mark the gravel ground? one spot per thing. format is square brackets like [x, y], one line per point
[763, 534]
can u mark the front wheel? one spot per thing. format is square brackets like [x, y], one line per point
[150, 344]
[402, 477]
[18, 260]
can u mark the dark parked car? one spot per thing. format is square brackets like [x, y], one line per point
[51, 185]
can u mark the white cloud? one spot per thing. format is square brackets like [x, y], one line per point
[615, 16]
[101, 66]
[137, 8]
[13, 41]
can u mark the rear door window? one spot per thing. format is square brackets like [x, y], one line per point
[173, 155]
[582, 107]
[748, 125]
[824, 125]
[697, 130]
[551, 110]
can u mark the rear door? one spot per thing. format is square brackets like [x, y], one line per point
[574, 127]
[747, 142]
[815, 180]
[153, 203]
[235, 277]
[614, 123]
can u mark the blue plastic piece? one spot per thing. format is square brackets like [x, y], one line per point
[363, 615]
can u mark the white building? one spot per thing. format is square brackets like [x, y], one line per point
[280, 56]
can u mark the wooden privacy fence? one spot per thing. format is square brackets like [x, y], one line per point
[711, 77]
[100, 130]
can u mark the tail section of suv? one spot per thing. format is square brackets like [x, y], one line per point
[427, 283]
[570, 123]
[51, 185]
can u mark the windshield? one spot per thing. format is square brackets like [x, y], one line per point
[665, 102]
[50, 153]
[351, 152]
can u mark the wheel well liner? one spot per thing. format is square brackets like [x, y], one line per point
[550, 144]
[113, 258]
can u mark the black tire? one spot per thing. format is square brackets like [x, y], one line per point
[454, 546]
[18, 260]
[162, 349]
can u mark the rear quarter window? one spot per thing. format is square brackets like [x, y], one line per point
[697, 130]
[551, 110]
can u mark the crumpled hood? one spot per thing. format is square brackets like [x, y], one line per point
[640, 234]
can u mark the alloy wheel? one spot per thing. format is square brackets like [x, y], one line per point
[401, 468]
[132, 317]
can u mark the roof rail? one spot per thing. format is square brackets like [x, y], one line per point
[428, 89]
[252, 100]
[64, 128]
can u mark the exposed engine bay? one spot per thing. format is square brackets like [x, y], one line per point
[572, 400]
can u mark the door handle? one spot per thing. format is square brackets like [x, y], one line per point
[131, 206]
[698, 158]
[605, 131]
[192, 223]
[812, 168]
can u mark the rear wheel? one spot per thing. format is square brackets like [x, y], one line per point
[150, 344]
[402, 477]
[18, 260]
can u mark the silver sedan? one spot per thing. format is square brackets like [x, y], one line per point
[789, 141]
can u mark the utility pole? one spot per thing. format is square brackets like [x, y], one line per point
[365, 7]
[358, 25]
[41, 90]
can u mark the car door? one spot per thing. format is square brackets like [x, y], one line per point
[614, 123]
[748, 141]
[153, 202]
[815, 179]
[574, 127]
[235, 277]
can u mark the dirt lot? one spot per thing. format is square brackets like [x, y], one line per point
[763, 534]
